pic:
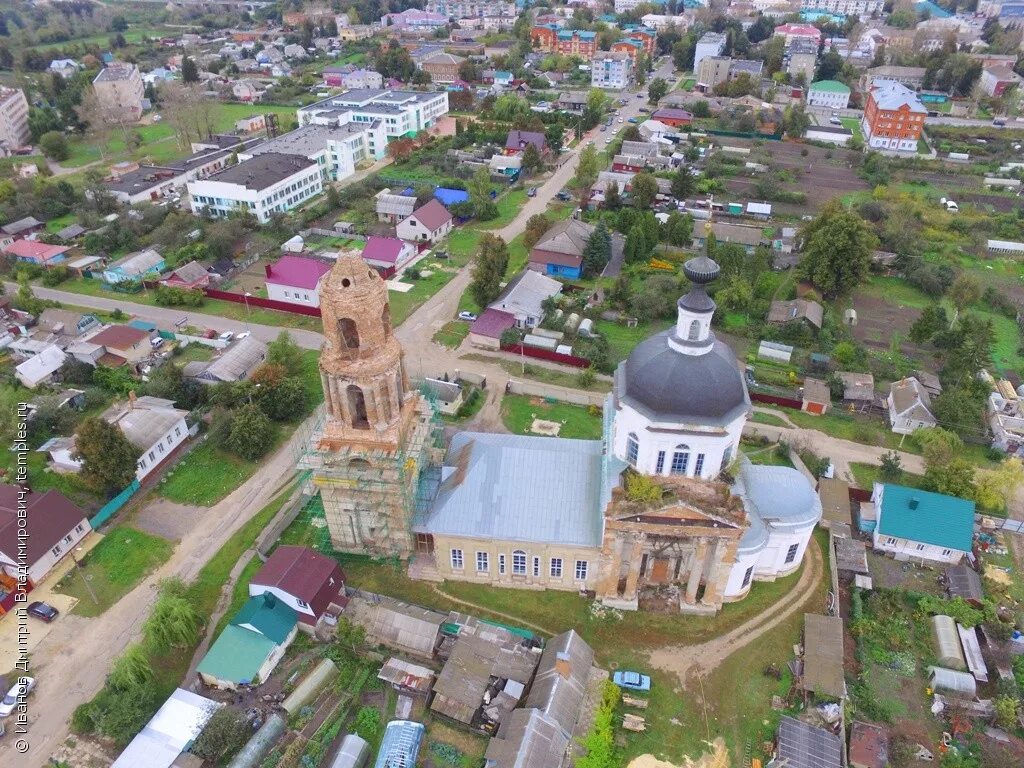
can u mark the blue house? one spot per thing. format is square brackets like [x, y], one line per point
[135, 267]
[401, 744]
[559, 253]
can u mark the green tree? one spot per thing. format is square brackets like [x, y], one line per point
[679, 229]
[108, 458]
[536, 226]
[132, 669]
[532, 161]
[996, 488]
[643, 189]
[285, 400]
[959, 410]
[368, 722]
[964, 291]
[612, 199]
[795, 121]
[946, 471]
[597, 251]
[224, 734]
[54, 145]
[488, 269]
[174, 621]
[252, 433]
[189, 70]
[892, 468]
[683, 184]
[736, 295]
[635, 249]
[657, 90]
[932, 319]
[285, 352]
[837, 250]
[479, 187]
[587, 168]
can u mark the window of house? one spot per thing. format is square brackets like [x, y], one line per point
[160, 447]
[680, 460]
[177, 431]
[556, 567]
[536, 567]
[746, 576]
[501, 564]
[56, 550]
[890, 540]
[791, 552]
[699, 465]
[581, 570]
[519, 563]
[659, 467]
[457, 562]
[632, 448]
[152, 456]
[920, 547]
[482, 562]
[947, 552]
[67, 539]
[301, 603]
[79, 528]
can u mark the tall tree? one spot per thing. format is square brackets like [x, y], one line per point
[532, 161]
[612, 198]
[643, 189]
[683, 184]
[597, 251]
[636, 248]
[189, 70]
[489, 269]
[837, 250]
[536, 226]
[108, 458]
[657, 90]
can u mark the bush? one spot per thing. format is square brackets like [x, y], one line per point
[169, 296]
[56, 275]
[600, 742]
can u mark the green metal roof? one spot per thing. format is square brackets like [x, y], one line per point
[831, 86]
[237, 655]
[268, 616]
[930, 518]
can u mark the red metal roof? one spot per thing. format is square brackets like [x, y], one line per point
[297, 272]
[383, 249]
[119, 337]
[33, 249]
[49, 518]
[493, 323]
[303, 573]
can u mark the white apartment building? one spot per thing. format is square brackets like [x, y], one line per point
[828, 93]
[861, 8]
[611, 69]
[264, 185]
[120, 91]
[471, 9]
[338, 150]
[14, 131]
[711, 44]
[402, 113]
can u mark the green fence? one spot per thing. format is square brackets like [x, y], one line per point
[107, 510]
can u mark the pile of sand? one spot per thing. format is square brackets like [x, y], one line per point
[718, 757]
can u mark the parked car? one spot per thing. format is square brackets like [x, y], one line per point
[43, 611]
[604, 128]
[226, 336]
[633, 120]
[645, 111]
[20, 690]
[469, 317]
[156, 342]
[563, 195]
[633, 681]
[835, 121]
[622, 121]
[531, 192]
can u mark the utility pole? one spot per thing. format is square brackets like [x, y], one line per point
[85, 580]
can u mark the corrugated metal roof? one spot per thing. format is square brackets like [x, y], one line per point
[520, 488]
[930, 518]
[238, 360]
[823, 655]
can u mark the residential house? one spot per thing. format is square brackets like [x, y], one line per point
[37, 531]
[427, 224]
[911, 77]
[65, 323]
[816, 397]
[800, 59]
[741, 234]
[712, 71]
[1006, 420]
[447, 395]
[893, 117]
[572, 102]
[40, 367]
[120, 92]
[997, 80]
[858, 387]
[388, 254]
[791, 32]
[296, 280]
[796, 311]
[921, 525]
[559, 251]
[21, 228]
[154, 426]
[305, 580]
[414, 19]
[517, 141]
[36, 252]
[190, 276]
[830, 94]
[169, 733]
[394, 208]
[910, 407]
[251, 645]
[506, 166]
[487, 329]
[123, 343]
[70, 232]
[64, 67]
[263, 185]
[524, 296]
[135, 267]
[235, 363]
[676, 118]
[14, 130]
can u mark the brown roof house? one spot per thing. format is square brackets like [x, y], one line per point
[910, 407]
[54, 526]
[427, 224]
[559, 252]
[303, 579]
[442, 67]
[857, 387]
[816, 398]
[124, 343]
[189, 276]
[797, 311]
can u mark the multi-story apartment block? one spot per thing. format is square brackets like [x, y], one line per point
[120, 91]
[611, 69]
[860, 8]
[441, 66]
[402, 113]
[647, 37]
[712, 70]
[471, 9]
[413, 18]
[828, 93]
[338, 150]
[262, 186]
[801, 58]
[711, 44]
[893, 117]
[14, 130]
[570, 42]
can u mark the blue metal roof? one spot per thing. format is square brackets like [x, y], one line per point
[926, 517]
[142, 325]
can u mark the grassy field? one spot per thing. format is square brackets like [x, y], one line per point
[240, 592]
[205, 476]
[540, 373]
[866, 475]
[404, 304]
[621, 339]
[113, 568]
[771, 454]
[42, 479]
[852, 124]
[452, 334]
[519, 411]
[760, 417]
[509, 206]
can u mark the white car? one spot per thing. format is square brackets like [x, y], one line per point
[227, 336]
[20, 690]
[469, 317]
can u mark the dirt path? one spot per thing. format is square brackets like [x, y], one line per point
[514, 619]
[689, 662]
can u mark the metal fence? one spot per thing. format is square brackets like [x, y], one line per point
[111, 507]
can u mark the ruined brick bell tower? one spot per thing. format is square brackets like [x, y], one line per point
[367, 457]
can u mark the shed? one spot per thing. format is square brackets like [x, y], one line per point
[942, 679]
[963, 581]
[972, 652]
[869, 746]
[406, 677]
[398, 625]
[947, 642]
[858, 387]
[835, 500]
[169, 732]
[823, 656]
[851, 556]
[354, 752]
[816, 398]
[805, 746]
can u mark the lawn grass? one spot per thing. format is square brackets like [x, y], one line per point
[540, 373]
[239, 593]
[509, 206]
[768, 455]
[621, 339]
[760, 417]
[113, 567]
[41, 479]
[404, 304]
[852, 124]
[205, 476]
[56, 225]
[856, 429]
[519, 411]
[866, 475]
[452, 334]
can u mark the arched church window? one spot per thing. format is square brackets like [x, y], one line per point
[348, 333]
[726, 457]
[358, 465]
[385, 320]
[632, 448]
[519, 563]
[680, 460]
[694, 330]
[357, 407]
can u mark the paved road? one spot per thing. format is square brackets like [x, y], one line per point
[72, 662]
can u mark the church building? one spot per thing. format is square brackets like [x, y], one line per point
[662, 508]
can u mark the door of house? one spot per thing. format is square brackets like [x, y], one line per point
[660, 570]
[425, 543]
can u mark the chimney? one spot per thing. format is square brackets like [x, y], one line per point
[266, 268]
[913, 502]
[562, 666]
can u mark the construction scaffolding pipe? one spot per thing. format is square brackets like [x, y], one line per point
[259, 746]
[306, 690]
